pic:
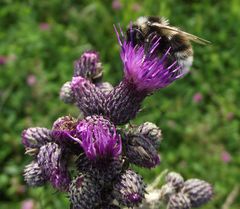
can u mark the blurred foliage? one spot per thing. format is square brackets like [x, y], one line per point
[41, 39]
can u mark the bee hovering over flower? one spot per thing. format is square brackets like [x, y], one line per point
[145, 29]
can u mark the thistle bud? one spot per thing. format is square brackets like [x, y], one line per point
[140, 151]
[84, 192]
[35, 137]
[150, 131]
[89, 98]
[34, 175]
[179, 201]
[175, 179]
[50, 159]
[66, 94]
[89, 66]
[129, 189]
[198, 191]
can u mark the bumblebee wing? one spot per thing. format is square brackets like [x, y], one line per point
[191, 37]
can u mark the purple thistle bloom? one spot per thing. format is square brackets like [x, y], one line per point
[99, 138]
[146, 69]
[144, 72]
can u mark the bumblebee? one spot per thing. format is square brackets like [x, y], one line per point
[145, 29]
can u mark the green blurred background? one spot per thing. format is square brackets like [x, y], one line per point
[199, 115]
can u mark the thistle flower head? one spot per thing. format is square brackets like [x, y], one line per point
[146, 69]
[150, 131]
[84, 192]
[140, 151]
[89, 97]
[98, 138]
[129, 189]
[88, 66]
[198, 191]
[53, 164]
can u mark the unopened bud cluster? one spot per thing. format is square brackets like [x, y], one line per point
[100, 150]
[180, 194]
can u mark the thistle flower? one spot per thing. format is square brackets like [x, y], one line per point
[66, 93]
[140, 151]
[53, 164]
[36, 137]
[99, 139]
[34, 175]
[129, 189]
[146, 69]
[84, 192]
[89, 98]
[144, 73]
[198, 191]
[89, 66]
